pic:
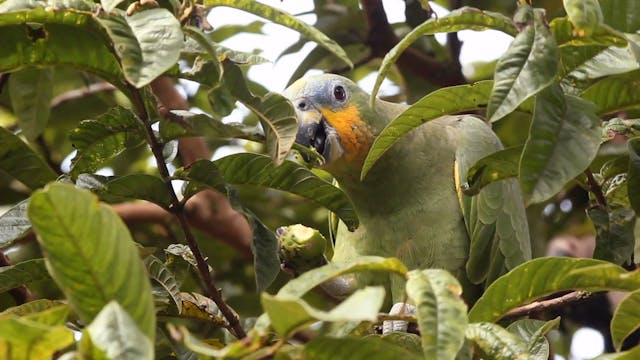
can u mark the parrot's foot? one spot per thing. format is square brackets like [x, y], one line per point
[390, 326]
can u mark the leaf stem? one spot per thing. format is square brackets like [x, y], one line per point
[209, 287]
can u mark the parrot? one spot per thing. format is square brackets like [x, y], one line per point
[411, 205]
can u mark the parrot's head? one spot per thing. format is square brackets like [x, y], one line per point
[335, 118]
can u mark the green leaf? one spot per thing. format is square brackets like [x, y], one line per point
[109, 5]
[495, 342]
[595, 62]
[614, 233]
[500, 165]
[442, 314]
[214, 63]
[265, 252]
[42, 311]
[566, 35]
[633, 174]
[31, 91]
[563, 140]
[163, 276]
[81, 238]
[27, 339]
[22, 273]
[632, 354]
[465, 18]
[327, 348]
[191, 124]
[255, 169]
[40, 37]
[14, 223]
[625, 319]
[290, 313]
[533, 332]
[615, 93]
[528, 66]
[275, 112]
[282, 18]
[201, 174]
[278, 119]
[147, 43]
[585, 15]
[544, 276]
[443, 101]
[618, 14]
[117, 335]
[134, 186]
[20, 162]
[104, 138]
[307, 281]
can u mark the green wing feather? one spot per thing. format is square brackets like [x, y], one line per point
[495, 218]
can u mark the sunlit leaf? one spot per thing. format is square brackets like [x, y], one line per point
[81, 238]
[20, 162]
[288, 314]
[465, 18]
[282, 18]
[31, 92]
[255, 169]
[563, 140]
[450, 100]
[100, 140]
[500, 165]
[632, 354]
[27, 339]
[147, 43]
[441, 312]
[544, 276]
[566, 35]
[43, 311]
[625, 319]
[528, 66]
[22, 273]
[619, 14]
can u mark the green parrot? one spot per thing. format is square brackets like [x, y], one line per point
[410, 204]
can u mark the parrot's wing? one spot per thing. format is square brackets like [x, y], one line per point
[495, 218]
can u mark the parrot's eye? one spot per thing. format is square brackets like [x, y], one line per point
[339, 93]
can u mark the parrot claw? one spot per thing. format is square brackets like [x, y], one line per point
[390, 326]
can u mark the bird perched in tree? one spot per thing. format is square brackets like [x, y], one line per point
[410, 204]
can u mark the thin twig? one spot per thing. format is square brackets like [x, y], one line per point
[46, 153]
[82, 92]
[595, 189]
[209, 287]
[545, 305]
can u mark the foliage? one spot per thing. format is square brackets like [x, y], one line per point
[83, 80]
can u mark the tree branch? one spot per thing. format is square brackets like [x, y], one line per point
[545, 305]
[209, 287]
[382, 38]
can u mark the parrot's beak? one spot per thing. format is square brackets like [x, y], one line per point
[314, 131]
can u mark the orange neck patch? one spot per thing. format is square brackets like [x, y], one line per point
[355, 136]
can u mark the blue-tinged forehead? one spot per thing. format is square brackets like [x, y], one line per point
[318, 88]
